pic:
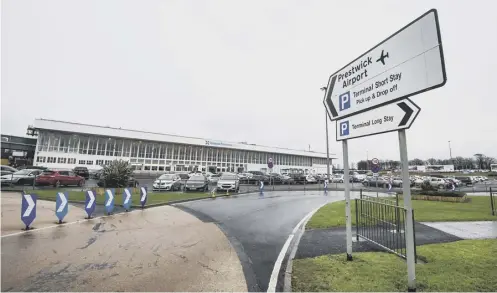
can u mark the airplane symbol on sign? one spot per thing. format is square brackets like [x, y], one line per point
[382, 57]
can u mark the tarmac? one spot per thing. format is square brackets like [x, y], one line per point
[158, 249]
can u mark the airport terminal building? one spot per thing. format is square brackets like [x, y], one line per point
[65, 145]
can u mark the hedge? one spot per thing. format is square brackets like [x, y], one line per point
[444, 193]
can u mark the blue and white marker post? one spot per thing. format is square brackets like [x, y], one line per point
[109, 200]
[261, 188]
[127, 199]
[61, 206]
[325, 186]
[28, 209]
[90, 202]
[143, 196]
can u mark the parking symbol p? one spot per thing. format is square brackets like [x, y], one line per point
[344, 128]
[344, 101]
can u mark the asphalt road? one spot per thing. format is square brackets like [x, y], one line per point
[258, 226]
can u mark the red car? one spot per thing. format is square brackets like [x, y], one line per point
[58, 178]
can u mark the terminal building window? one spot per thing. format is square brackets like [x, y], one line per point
[83, 145]
[101, 147]
[82, 162]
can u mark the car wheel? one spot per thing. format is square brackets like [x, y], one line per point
[57, 184]
[80, 183]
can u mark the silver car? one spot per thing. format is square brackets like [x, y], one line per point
[168, 182]
[228, 181]
[197, 182]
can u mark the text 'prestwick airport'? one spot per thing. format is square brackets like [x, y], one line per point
[355, 72]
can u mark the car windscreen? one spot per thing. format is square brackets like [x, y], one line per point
[167, 177]
[228, 177]
[197, 178]
[23, 172]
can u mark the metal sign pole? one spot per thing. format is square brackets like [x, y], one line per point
[409, 229]
[327, 149]
[348, 219]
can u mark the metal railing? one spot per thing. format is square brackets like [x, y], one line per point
[381, 221]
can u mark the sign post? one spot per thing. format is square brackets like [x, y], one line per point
[127, 200]
[370, 95]
[143, 196]
[28, 209]
[90, 202]
[109, 201]
[61, 206]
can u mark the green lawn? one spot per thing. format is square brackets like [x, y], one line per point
[462, 266]
[478, 209]
[153, 197]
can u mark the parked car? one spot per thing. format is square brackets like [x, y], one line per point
[58, 178]
[465, 180]
[299, 178]
[258, 176]
[132, 182]
[197, 182]
[338, 178]
[275, 178]
[228, 182]
[376, 181]
[82, 171]
[213, 178]
[22, 177]
[287, 180]
[7, 170]
[168, 182]
[439, 183]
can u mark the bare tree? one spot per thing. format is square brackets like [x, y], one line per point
[480, 160]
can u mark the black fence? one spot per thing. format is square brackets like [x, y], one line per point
[493, 205]
[381, 221]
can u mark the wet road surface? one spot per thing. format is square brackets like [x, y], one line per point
[259, 226]
[158, 249]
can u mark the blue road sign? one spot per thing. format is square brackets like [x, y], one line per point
[61, 206]
[127, 199]
[326, 185]
[109, 200]
[28, 208]
[261, 187]
[90, 202]
[143, 196]
[270, 163]
[375, 168]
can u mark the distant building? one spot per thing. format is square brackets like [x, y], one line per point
[433, 168]
[17, 150]
[64, 145]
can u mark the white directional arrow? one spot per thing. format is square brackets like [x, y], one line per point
[391, 117]
[92, 199]
[31, 205]
[144, 194]
[63, 202]
[111, 197]
[128, 196]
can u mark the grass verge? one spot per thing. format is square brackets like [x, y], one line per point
[153, 197]
[477, 209]
[462, 266]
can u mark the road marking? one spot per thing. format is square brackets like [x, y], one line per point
[277, 265]
[64, 224]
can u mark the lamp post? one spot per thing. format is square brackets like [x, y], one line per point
[450, 153]
[327, 143]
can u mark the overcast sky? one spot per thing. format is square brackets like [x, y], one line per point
[239, 70]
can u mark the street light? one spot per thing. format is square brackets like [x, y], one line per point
[450, 153]
[327, 143]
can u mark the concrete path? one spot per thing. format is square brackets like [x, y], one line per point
[467, 230]
[157, 249]
[45, 213]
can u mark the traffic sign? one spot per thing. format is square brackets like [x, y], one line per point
[405, 64]
[61, 206]
[28, 209]
[375, 161]
[391, 117]
[90, 202]
[143, 196]
[127, 199]
[270, 163]
[375, 168]
[109, 201]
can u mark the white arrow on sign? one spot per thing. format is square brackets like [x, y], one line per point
[144, 194]
[92, 199]
[63, 202]
[31, 205]
[128, 196]
[391, 117]
[111, 197]
[407, 63]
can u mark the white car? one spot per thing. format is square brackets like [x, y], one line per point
[168, 182]
[439, 183]
[310, 179]
[228, 182]
[337, 179]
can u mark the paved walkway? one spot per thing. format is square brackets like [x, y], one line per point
[157, 249]
[467, 230]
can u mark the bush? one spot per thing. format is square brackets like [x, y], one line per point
[492, 174]
[117, 173]
[426, 186]
[443, 193]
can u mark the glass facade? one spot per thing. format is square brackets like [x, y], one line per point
[155, 155]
